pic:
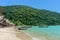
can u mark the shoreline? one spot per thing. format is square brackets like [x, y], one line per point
[27, 36]
[15, 34]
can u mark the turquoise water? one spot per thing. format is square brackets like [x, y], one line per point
[50, 32]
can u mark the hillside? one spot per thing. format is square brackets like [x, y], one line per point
[24, 15]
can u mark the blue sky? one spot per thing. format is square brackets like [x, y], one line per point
[53, 5]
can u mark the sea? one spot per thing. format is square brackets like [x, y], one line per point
[44, 33]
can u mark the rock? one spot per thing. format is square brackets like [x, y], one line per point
[5, 22]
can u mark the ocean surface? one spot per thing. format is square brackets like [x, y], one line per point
[47, 33]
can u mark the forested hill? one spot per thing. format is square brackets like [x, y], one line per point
[24, 15]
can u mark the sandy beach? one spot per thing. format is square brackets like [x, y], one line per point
[9, 33]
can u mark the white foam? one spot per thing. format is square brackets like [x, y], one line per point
[34, 38]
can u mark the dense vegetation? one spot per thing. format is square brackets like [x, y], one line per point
[24, 15]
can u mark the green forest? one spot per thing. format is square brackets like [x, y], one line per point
[25, 15]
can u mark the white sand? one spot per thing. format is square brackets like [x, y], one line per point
[6, 35]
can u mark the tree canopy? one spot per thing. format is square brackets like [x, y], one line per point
[24, 15]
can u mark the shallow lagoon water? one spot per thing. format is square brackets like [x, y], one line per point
[49, 33]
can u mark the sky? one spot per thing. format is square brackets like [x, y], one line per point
[52, 5]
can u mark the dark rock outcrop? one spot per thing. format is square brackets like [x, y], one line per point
[4, 22]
